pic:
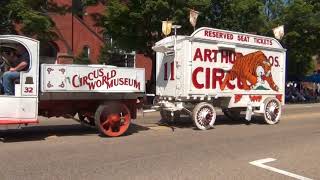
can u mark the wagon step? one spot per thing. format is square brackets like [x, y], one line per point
[249, 113]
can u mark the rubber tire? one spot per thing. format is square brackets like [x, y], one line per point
[266, 120]
[197, 109]
[113, 106]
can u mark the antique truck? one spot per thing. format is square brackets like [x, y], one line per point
[102, 96]
[212, 68]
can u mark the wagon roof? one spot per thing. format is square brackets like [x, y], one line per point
[222, 36]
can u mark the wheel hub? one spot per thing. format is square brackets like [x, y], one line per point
[114, 118]
[272, 110]
[205, 116]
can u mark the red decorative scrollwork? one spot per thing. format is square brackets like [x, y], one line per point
[279, 97]
[237, 97]
[255, 98]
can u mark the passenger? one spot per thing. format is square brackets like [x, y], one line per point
[20, 62]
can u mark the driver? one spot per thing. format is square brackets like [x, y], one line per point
[18, 60]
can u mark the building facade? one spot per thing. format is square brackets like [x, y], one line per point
[78, 35]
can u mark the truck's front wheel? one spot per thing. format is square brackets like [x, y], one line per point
[112, 119]
[204, 116]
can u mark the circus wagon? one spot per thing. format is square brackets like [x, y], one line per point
[215, 68]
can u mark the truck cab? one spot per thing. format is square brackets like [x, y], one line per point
[21, 108]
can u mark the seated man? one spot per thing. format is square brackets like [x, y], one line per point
[7, 53]
[18, 61]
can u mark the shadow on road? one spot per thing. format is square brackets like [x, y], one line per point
[38, 133]
[135, 128]
[223, 120]
[186, 122]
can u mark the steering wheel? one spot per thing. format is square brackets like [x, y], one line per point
[3, 62]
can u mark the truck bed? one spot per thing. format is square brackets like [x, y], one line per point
[90, 82]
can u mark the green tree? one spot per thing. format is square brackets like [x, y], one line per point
[315, 4]
[82, 59]
[79, 5]
[302, 26]
[136, 24]
[274, 8]
[238, 15]
[31, 15]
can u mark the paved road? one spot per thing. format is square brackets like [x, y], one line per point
[64, 150]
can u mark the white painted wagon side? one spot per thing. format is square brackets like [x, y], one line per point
[192, 68]
[91, 78]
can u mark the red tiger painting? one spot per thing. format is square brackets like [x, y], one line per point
[246, 68]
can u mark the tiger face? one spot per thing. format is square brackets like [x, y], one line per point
[268, 76]
[267, 70]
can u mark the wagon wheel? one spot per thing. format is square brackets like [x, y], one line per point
[112, 119]
[204, 116]
[272, 111]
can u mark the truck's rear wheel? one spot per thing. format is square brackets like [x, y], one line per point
[112, 119]
[204, 116]
[272, 111]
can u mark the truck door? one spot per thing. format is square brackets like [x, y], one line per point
[21, 106]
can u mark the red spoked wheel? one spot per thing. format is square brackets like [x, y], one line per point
[112, 119]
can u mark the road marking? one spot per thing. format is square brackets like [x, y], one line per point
[149, 110]
[260, 163]
[160, 128]
[308, 106]
[51, 137]
[301, 115]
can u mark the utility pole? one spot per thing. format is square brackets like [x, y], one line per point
[72, 13]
